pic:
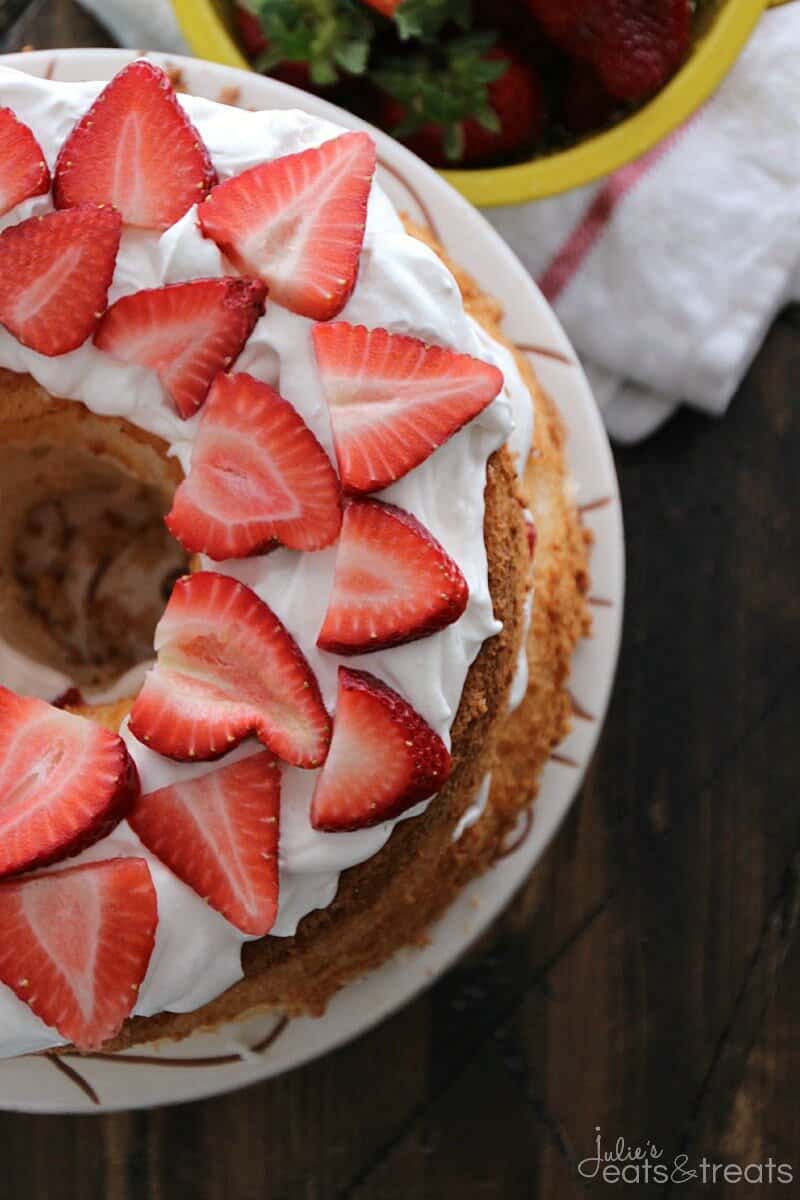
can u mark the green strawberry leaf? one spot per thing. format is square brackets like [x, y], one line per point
[454, 142]
[353, 57]
[489, 119]
[425, 18]
[330, 35]
[443, 84]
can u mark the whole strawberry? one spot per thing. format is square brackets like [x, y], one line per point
[635, 46]
[570, 24]
[642, 45]
[251, 35]
[480, 104]
[511, 22]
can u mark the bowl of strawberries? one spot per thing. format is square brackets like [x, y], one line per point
[512, 100]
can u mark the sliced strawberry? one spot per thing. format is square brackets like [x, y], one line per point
[383, 758]
[75, 945]
[394, 400]
[219, 834]
[258, 476]
[55, 272]
[23, 170]
[136, 149]
[298, 222]
[393, 583]
[185, 332]
[64, 783]
[227, 668]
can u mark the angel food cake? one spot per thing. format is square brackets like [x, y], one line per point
[347, 691]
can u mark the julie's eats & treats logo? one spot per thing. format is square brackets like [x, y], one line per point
[619, 1161]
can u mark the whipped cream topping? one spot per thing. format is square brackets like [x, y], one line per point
[519, 684]
[402, 286]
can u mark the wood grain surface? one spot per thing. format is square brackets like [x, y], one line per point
[647, 979]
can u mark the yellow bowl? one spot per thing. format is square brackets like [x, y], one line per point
[207, 28]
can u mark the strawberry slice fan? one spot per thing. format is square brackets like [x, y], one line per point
[227, 666]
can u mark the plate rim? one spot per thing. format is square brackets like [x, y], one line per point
[510, 873]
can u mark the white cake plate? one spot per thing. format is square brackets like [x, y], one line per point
[208, 1064]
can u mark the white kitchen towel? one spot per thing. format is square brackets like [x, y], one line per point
[142, 24]
[667, 274]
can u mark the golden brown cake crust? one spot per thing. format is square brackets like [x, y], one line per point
[392, 899]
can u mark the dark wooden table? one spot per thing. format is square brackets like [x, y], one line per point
[647, 980]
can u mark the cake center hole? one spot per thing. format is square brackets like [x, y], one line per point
[89, 564]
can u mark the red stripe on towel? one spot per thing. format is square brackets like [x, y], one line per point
[595, 220]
